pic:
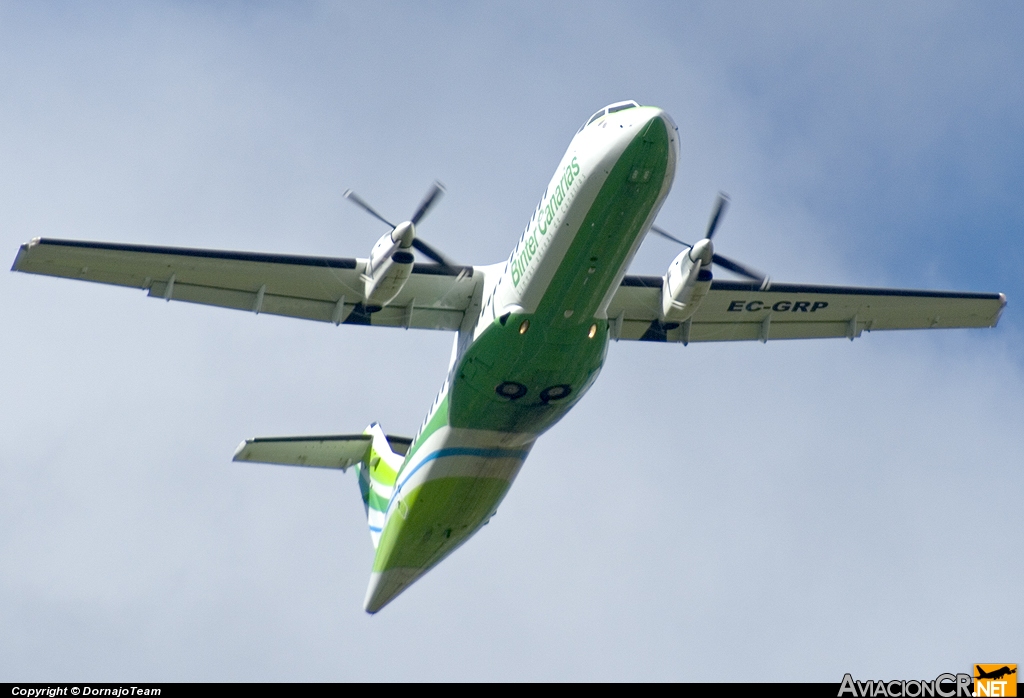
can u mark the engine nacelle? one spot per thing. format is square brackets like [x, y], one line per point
[687, 282]
[389, 266]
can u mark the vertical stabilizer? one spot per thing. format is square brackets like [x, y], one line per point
[377, 474]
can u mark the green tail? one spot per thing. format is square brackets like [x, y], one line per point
[378, 472]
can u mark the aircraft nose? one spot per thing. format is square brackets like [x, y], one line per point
[628, 124]
[655, 117]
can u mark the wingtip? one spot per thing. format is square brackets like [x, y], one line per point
[999, 313]
[23, 250]
[238, 451]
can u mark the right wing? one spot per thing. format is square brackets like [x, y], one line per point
[740, 310]
[313, 288]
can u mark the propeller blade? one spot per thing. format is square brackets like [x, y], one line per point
[740, 269]
[716, 217]
[355, 198]
[665, 234]
[428, 202]
[435, 255]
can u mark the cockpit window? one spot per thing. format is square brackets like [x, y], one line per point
[612, 108]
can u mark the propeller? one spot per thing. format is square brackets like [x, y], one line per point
[358, 201]
[435, 192]
[720, 205]
[716, 217]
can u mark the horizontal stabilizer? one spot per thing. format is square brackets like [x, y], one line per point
[337, 452]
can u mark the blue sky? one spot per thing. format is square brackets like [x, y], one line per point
[788, 511]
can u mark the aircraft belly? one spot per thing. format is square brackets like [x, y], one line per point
[551, 366]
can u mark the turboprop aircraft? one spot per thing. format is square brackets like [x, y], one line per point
[531, 332]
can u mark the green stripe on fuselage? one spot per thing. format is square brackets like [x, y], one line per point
[438, 420]
[557, 350]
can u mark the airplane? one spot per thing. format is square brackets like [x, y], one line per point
[995, 674]
[531, 332]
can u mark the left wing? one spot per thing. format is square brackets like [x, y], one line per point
[735, 310]
[313, 288]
